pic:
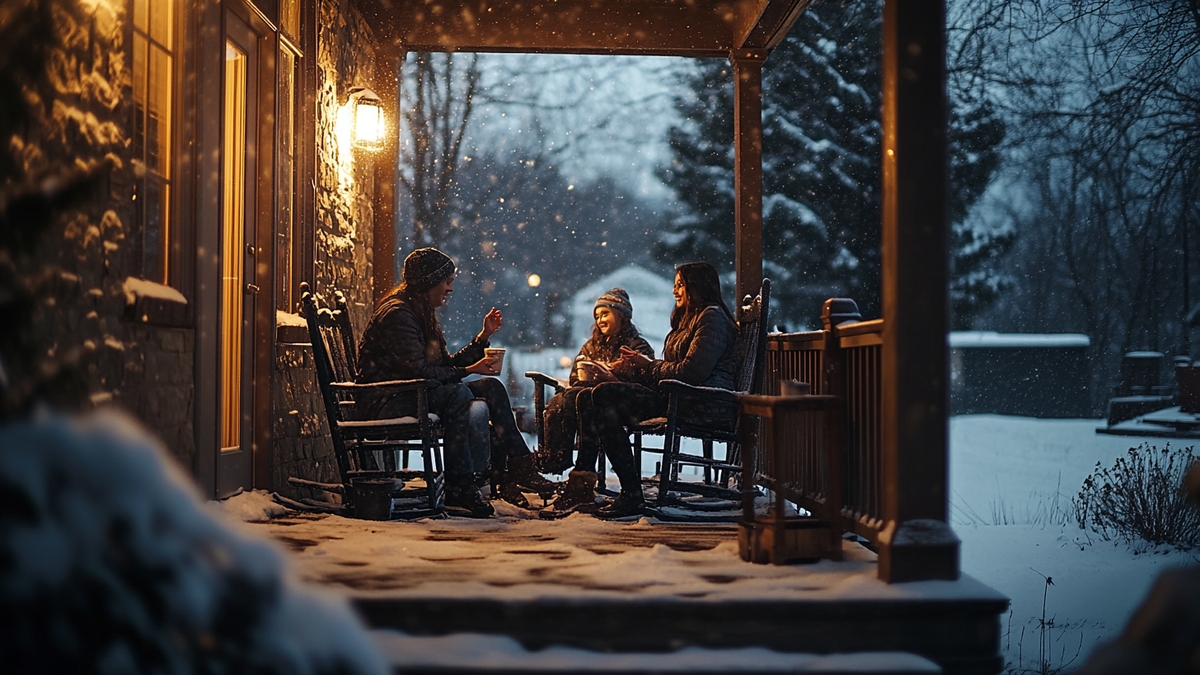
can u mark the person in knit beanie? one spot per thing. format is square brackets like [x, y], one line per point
[404, 341]
[425, 268]
[613, 329]
[618, 300]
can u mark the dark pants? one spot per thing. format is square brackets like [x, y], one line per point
[604, 411]
[469, 442]
[506, 439]
[560, 424]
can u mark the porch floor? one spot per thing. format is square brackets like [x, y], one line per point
[641, 586]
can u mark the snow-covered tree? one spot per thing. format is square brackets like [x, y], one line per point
[821, 168]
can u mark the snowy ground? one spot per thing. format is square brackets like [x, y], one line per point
[1012, 480]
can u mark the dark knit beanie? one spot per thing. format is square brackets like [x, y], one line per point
[425, 268]
[617, 300]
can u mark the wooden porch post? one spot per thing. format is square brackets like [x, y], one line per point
[747, 168]
[384, 228]
[916, 542]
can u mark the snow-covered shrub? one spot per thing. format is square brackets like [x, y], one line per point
[1141, 496]
[110, 563]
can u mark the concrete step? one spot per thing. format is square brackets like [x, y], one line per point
[960, 634]
[474, 654]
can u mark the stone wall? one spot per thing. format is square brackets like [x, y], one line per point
[345, 184]
[343, 246]
[300, 432]
[81, 111]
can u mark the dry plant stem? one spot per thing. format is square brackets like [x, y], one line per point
[1140, 498]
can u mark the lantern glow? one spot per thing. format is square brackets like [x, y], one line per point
[368, 119]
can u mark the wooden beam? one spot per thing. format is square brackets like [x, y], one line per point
[386, 165]
[916, 542]
[651, 27]
[747, 168]
[764, 23]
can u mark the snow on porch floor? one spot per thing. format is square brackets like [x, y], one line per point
[540, 595]
[517, 556]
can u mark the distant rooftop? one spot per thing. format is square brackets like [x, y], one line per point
[978, 338]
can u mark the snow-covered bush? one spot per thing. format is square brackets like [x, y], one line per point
[1141, 497]
[110, 563]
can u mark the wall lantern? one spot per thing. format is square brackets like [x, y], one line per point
[367, 110]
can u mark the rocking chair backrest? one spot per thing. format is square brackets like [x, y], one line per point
[333, 355]
[752, 340]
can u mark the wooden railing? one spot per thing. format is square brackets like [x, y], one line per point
[842, 361]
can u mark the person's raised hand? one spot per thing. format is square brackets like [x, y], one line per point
[491, 323]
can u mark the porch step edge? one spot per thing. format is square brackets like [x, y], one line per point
[476, 654]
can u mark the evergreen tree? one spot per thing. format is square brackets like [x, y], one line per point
[821, 168]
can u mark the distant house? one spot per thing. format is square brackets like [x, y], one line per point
[1033, 375]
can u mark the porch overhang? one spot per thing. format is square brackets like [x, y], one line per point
[690, 28]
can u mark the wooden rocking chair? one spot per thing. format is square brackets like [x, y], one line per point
[366, 449]
[710, 415]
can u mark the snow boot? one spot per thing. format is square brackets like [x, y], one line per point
[522, 472]
[503, 487]
[628, 503]
[578, 494]
[463, 498]
[631, 500]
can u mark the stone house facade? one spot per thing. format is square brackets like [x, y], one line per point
[227, 177]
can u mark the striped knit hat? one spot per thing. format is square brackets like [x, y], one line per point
[425, 268]
[617, 300]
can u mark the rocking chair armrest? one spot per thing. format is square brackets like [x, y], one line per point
[691, 391]
[544, 379]
[389, 386]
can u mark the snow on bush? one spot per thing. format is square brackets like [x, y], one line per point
[110, 563]
[1141, 497]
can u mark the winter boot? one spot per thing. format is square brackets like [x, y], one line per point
[578, 494]
[503, 487]
[628, 503]
[463, 498]
[522, 472]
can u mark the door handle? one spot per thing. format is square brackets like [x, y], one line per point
[251, 289]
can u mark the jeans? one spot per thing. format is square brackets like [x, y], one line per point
[604, 411]
[506, 439]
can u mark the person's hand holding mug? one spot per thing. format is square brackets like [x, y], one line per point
[491, 363]
[485, 366]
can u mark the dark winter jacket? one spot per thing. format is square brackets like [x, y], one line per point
[699, 352]
[393, 348]
[600, 352]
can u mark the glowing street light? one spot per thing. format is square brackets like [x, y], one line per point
[534, 281]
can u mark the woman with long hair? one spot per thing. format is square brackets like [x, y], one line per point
[699, 350]
[613, 329]
[404, 340]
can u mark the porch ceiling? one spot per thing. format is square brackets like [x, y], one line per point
[691, 28]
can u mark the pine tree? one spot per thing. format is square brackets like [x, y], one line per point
[821, 168]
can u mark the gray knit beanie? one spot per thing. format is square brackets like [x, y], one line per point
[617, 300]
[425, 268]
